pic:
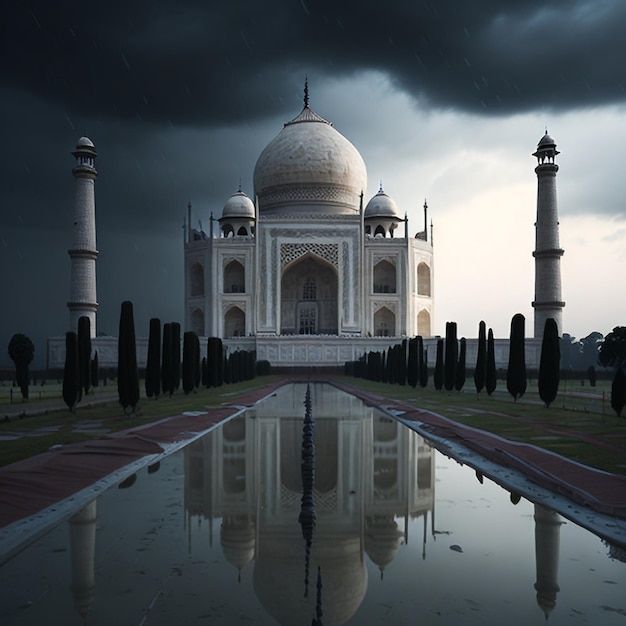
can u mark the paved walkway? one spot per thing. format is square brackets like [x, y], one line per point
[29, 486]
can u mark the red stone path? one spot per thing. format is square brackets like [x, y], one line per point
[598, 490]
[30, 486]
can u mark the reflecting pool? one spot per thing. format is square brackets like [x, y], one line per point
[397, 534]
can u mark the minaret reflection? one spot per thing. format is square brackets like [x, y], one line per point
[547, 540]
[369, 472]
[82, 527]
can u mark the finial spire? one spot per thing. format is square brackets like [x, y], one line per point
[306, 92]
[239, 186]
[380, 188]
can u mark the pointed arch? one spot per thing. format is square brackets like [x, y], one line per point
[380, 231]
[309, 297]
[423, 323]
[384, 277]
[242, 232]
[234, 322]
[423, 280]
[196, 275]
[234, 277]
[384, 323]
[197, 322]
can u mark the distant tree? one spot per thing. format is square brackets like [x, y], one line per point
[516, 372]
[452, 351]
[438, 376]
[391, 366]
[215, 362]
[480, 373]
[613, 348]
[166, 361]
[491, 380]
[549, 363]
[383, 366]
[71, 379]
[95, 372]
[591, 375]
[459, 380]
[423, 359]
[21, 352]
[153, 362]
[127, 373]
[589, 348]
[84, 354]
[412, 368]
[189, 361]
[618, 391]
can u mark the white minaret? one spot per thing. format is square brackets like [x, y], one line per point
[83, 254]
[547, 252]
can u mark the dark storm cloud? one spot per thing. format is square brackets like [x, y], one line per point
[215, 63]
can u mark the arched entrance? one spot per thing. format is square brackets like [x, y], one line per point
[309, 298]
[234, 322]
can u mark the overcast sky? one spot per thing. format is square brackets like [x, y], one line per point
[445, 100]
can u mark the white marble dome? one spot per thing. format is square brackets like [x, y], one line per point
[309, 167]
[381, 205]
[238, 205]
[84, 142]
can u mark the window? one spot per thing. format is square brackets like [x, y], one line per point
[309, 289]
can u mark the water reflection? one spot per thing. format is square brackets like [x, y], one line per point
[369, 470]
[327, 498]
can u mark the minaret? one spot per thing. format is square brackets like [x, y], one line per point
[547, 252]
[547, 543]
[83, 254]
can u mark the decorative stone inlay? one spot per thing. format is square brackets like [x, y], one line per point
[290, 252]
[307, 194]
[389, 304]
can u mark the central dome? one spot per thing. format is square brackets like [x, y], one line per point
[309, 167]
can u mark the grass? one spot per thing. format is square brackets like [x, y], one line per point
[579, 425]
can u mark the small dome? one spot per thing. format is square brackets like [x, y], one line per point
[84, 142]
[239, 205]
[546, 140]
[381, 205]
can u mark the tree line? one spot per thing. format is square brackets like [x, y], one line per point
[407, 362]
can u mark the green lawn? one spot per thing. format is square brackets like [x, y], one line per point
[580, 424]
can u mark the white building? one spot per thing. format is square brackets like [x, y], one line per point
[308, 271]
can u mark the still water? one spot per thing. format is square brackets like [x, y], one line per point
[402, 535]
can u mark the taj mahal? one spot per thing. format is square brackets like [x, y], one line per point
[306, 270]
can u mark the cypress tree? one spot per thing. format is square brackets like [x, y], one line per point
[205, 377]
[451, 358]
[549, 363]
[95, 372]
[491, 379]
[480, 373]
[166, 360]
[127, 373]
[438, 377]
[176, 371]
[189, 362]
[383, 366]
[516, 373]
[412, 369]
[84, 355]
[71, 380]
[618, 391]
[460, 368]
[153, 362]
[197, 360]
[391, 378]
[213, 359]
[220, 362]
[402, 348]
[423, 358]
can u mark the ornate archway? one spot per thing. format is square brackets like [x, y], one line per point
[309, 302]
